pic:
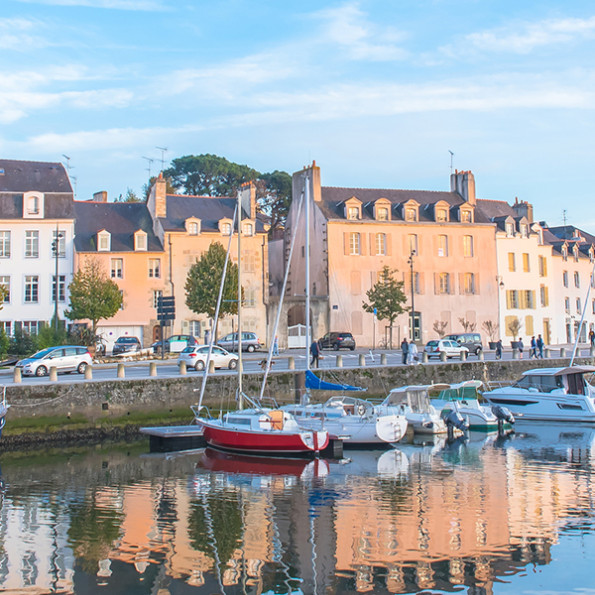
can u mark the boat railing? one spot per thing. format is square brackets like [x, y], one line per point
[492, 384]
[197, 409]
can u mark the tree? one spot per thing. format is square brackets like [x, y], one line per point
[273, 194]
[491, 328]
[387, 298]
[130, 196]
[514, 326]
[204, 279]
[93, 295]
[3, 295]
[169, 189]
[440, 327]
[467, 325]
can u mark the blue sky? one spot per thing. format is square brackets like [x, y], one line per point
[376, 92]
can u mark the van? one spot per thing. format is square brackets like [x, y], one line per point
[472, 341]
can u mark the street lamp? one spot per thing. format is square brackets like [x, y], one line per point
[410, 263]
[56, 250]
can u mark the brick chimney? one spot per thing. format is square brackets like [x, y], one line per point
[463, 183]
[313, 174]
[523, 209]
[248, 199]
[156, 202]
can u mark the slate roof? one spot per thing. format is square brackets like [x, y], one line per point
[121, 219]
[27, 176]
[567, 232]
[210, 210]
[494, 209]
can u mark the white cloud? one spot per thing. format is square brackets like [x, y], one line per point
[144, 5]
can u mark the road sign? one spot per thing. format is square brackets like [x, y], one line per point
[166, 308]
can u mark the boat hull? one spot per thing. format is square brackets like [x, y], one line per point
[272, 442]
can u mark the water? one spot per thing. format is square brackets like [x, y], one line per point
[488, 516]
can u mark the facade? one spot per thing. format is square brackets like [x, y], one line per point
[36, 242]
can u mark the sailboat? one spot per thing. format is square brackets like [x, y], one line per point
[256, 430]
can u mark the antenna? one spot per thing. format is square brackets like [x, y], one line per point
[451, 156]
[564, 217]
[73, 178]
[163, 152]
[150, 162]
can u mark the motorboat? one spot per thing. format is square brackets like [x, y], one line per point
[549, 394]
[464, 398]
[3, 410]
[353, 420]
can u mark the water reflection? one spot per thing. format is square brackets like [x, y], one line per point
[470, 515]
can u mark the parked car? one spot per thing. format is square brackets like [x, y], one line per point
[451, 348]
[250, 342]
[65, 358]
[472, 341]
[337, 341]
[126, 344]
[175, 343]
[196, 357]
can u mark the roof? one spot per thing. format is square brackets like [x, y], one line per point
[120, 219]
[56, 206]
[28, 176]
[559, 371]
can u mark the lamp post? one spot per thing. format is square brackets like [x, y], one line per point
[56, 250]
[410, 263]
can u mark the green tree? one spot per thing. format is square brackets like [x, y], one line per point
[204, 279]
[169, 188]
[273, 193]
[130, 196]
[4, 343]
[387, 297]
[93, 295]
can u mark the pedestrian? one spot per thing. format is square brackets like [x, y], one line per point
[592, 337]
[521, 347]
[540, 346]
[499, 349]
[533, 351]
[404, 350]
[276, 346]
[315, 353]
[207, 336]
[413, 354]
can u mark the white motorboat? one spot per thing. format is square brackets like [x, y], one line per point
[355, 421]
[549, 394]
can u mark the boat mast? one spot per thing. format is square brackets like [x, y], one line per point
[580, 326]
[240, 363]
[307, 265]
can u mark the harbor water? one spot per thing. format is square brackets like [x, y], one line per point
[486, 514]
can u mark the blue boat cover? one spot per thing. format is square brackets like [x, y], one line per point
[313, 382]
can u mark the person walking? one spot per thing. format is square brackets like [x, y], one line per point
[521, 347]
[592, 337]
[539, 343]
[276, 346]
[412, 354]
[499, 349]
[404, 350]
[315, 353]
[533, 351]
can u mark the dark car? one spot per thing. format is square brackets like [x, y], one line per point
[126, 344]
[337, 341]
[472, 341]
[175, 344]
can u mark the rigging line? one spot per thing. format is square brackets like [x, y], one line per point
[281, 296]
[578, 334]
[339, 294]
[216, 317]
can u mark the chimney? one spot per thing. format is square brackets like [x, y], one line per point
[156, 202]
[523, 209]
[100, 196]
[463, 183]
[313, 173]
[248, 199]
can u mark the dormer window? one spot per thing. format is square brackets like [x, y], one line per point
[353, 208]
[524, 232]
[411, 210]
[382, 214]
[382, 209]
[33, 205]
[193, 226]
[104, 241]
[248, 229]
[509, 229]
[352, 213]
[564, 253]
[466, 216]
[441, 215]
[225, 227]
[575, 252]
[140, 241]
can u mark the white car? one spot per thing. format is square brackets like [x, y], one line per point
[451, 348]
[195, 357]
[65, 358]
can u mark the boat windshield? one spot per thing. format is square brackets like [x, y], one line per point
[543, 384]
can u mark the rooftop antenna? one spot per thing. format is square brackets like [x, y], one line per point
[68, 168]
[451, 156]
[73, 178]
[163, 152]
[564, 217]
[150, 162]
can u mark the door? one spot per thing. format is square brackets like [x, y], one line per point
[417, 326]
[57, 359]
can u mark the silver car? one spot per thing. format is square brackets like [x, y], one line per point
[250, 342]
[65, 358]
[195, 357]
[450, 348]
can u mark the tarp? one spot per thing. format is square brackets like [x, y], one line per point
[314, 383]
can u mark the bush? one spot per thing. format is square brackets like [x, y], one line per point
[4, 343]
[22, 343]
[48, 336]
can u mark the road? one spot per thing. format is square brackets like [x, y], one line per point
[252, 363]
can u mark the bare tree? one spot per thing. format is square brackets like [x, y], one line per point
[440, 327]
[491, 328]
[467, 325]
[514, 326]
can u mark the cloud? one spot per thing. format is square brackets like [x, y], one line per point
[20, 34]
[142, 5]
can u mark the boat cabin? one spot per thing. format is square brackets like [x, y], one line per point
[410, 398]
[570, 380]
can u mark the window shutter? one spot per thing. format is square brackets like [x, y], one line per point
[451, 283]
[436, 284]
[362, 243]
[345, 243]
[388, 245]
[509, 299]
[476, 283]
[461, 283]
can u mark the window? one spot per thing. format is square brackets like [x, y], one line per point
[565, 278]
[466, 216]
[468, 246]
[544, 296]
[380, 244]
[31, 244]
[578, 306]
[575, 253]
[61, 288]
[444, 283]
[193, 228]
[382, 214]
[441, 215]
[31, 289]
[511, 262]
[154, 268]
[30, 327]
[249, 297]
[103, 241]
[354, 244]
[512, 299]
[157, 293]
[117, 268]
[528, 299]
[353, 213]
[416, 283]
[567, 305]
[32, 205]
[469, 283]
[510, 229]
[140, 240]
[524, 230]
[248, 229]
[7, 326]
[564, 253]
[526, 266]
[410, 214]
[577, 279]
[194, 327]
[5, 282]
[412, 243]
[59, 240]
[226, 229]
[442, 245]
[4, 244]
[542, 266]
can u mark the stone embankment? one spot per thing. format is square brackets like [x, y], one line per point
[95, 403]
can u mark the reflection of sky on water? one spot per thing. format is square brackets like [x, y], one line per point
[487, 515]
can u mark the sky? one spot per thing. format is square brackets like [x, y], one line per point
[380, 94]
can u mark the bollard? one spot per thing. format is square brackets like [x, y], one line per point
[152, 369]
[339, 361]
[291, 363]
[182, 368]
[212, 366]
[592, 351]
[53, 373]
[88, 372]
[16, 375]
[121, 370]
[383, 359]
[547, 352]
[442, 356]
[515, 353]
[562, 351]
[362, 360]
[424, 357]
[463, 356]
[480, 356]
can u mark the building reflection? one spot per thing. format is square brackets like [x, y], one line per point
[420, 517]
